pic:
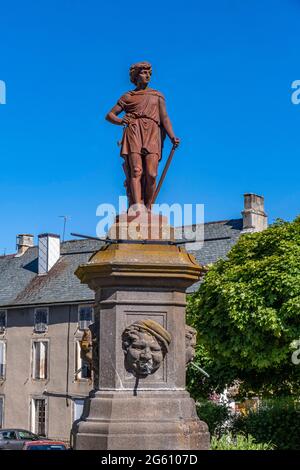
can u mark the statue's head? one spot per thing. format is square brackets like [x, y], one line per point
[145, 344]
[190, 343]
[140, 72]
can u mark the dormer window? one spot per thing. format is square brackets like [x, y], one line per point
[40, 320]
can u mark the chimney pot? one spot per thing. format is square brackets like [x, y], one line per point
[24, 241]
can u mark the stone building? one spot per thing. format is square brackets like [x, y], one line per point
[43, 312]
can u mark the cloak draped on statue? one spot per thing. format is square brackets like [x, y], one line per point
[144, 133]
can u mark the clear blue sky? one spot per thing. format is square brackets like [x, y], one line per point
[225, 67]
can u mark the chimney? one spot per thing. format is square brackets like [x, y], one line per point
[24, 241]
[254, 217]
[49, 252]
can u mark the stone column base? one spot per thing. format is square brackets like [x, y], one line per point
[152, 420]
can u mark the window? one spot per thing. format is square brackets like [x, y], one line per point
[38, 416]
[2, 360]
[78, 408]
[40, 320]
[9, 435]
[3, 321]
[39, 360]
[26, 435]
[1, 411]
[85, 316]
[82, 367]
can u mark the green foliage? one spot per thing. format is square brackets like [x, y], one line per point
[247, 313]
[214, 415]
[276, 421]
[238, 442]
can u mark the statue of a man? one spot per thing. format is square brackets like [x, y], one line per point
[145, 124]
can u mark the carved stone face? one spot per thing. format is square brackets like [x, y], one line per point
[144, 354]
[190, 343]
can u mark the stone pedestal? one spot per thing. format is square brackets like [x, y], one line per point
[141, 225]
[135, 282]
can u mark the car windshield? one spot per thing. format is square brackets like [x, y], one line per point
[28, 436]
[47, 447]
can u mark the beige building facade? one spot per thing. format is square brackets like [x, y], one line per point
[40, 386]
[43, 380]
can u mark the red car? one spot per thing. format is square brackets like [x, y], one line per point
[44, 445]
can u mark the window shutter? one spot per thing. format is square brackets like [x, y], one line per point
[2, 359]
[43, 360]
[36, 360]
[40, 360]
[1, 411]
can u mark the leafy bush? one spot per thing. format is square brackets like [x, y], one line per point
[216, 416]
[276, 421]
[238, 442]
[247, 313]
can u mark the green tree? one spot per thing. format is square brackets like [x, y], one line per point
[247, 313]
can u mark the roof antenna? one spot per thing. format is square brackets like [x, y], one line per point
[65, 217]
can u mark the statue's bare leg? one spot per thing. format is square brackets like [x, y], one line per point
[136, 171]
[150, 167]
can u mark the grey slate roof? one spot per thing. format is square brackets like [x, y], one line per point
[219, 237]
[20, 284]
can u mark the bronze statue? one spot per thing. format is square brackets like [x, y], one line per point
[146, 123]
[145, 344]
